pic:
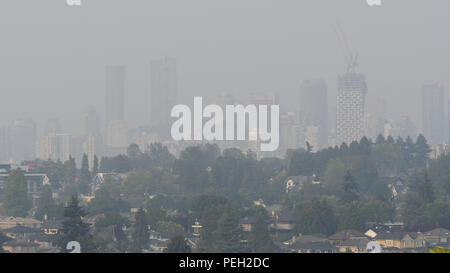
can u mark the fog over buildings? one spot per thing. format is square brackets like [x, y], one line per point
[104, 74]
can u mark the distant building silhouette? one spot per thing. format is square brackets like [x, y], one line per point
[433, 116]
[314, 111]
[163, 92]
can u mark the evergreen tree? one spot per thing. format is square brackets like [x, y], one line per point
[46, 205]
[141, 236]
[178, 244]
[350, 188]
[85, 175]
[70, 171]
[315, 217]
[380, 139]
[15, 196]
[228, 233]
[74, 229]
[410, 151]
[260, 241]
[422, 149]
[424, 187]
[351, 217]
[95, 166]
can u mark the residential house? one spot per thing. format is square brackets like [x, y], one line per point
[413, 240]
[9, 222]
[283, 222]
[313, 247]
[390, 239]
[247, 223]
[353, 245]
[20, 247]
[345, 235]
[51, 227]
[20, 232]
[437, 236]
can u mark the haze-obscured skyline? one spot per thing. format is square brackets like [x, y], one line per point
[53, 56]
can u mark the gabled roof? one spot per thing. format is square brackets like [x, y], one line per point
[346, 234]
[413, 235]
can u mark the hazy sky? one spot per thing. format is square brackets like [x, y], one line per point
[52, 56]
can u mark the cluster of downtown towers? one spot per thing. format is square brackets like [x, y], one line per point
[314, 122]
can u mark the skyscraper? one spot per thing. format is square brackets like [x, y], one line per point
[433, 116]
[352, 90]
[52, 127]
[22, 140]
[54, 147]
[115, 92]
[92, 122]
[163, 92]
[314, 109]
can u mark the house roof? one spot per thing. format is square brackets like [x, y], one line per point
[360, 243]
[287, 217]
[52, 224]
[19, 229]
[346, 234]
[313, 246]
[15, 243]
[413, 235]
[390, 236]
[248, 220]
[42, 237]
[441, 232]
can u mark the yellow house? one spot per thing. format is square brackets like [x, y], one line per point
[390, 239]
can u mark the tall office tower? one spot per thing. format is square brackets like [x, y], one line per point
[314, 109]
[22, 135]
[52, 127]
[92, 146]
[115, 92]
[433, 116]
[54, 146]
[3, 144]
[352, 90]
[163, 92]
[91, 122]
[117, 134]
[290, 135]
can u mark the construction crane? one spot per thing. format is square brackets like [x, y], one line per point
[351, 56]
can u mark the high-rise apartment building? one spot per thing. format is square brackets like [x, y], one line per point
[352, 90]
[22, 135]
[91, 122]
